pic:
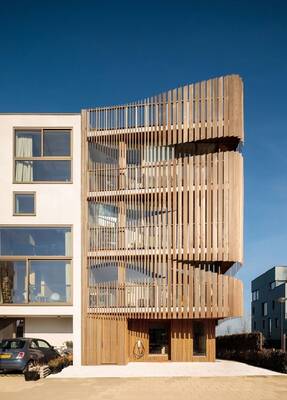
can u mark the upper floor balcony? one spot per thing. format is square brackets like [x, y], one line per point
[205, 294]
[207, 109]
[214, 169]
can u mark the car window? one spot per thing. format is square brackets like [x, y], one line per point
[12, 344]
[43, 345]
[33, 345]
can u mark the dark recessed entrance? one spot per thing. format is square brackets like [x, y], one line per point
[159, 339]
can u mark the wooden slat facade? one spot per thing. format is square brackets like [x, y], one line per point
[162, 217]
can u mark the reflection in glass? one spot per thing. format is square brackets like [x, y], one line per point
[26, 241]
[158, 339]
[104, 272]
[101, 214]
[199, 339]
[57, 143]
[101, 154]
[43, 170]
[50, 281]
[12, 282]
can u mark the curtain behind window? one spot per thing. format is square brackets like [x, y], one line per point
[24, 169]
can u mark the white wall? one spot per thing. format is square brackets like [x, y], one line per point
[55, 330]
[55, 204]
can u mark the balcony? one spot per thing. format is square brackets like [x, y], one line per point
[205, 295]
[143, 239]
[111, 178]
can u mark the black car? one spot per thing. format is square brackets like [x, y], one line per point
[22, 353]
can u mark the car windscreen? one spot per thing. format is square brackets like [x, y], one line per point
[12, 344]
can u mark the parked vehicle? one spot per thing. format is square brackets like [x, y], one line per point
[21, 354]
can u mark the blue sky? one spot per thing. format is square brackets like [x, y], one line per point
[66, 55]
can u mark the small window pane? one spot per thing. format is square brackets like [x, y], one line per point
[12, 282]
[24, 203]
[28, 143]
[43, 171]
[50, 281]
[57, 143]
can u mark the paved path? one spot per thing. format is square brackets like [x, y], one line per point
[166, 369]
[217, 388]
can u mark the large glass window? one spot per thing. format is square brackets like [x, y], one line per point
[40, 241]
[43, 171]
[33, 152]
[49, 281]
[199, 339]
[24, 203]
[35, 281]
[13, 282]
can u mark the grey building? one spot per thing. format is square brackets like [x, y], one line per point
[267, 314]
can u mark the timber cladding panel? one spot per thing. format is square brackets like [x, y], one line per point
[162, 191]
[180, 340]
[106, 341]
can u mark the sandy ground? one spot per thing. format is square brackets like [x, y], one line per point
[223, 388]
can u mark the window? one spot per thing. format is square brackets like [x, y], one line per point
[42, 272]
[263, 323]
[56, 143]
[13, 344]
[13, 282]
[33, 345]
[42, 155]
[269, 326]
[273, 305]
[276, 322]
[264, 309]
[255, 295]
[254, 325]
[49, 281]
[42, 344]
[273, 285]
[104, 272]
[253, 310]
[24, 203]
[40, 241]
[35, 281]
[199, 339]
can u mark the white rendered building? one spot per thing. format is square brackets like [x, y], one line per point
[40, 227]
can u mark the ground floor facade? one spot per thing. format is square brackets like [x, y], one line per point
[121, 340]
